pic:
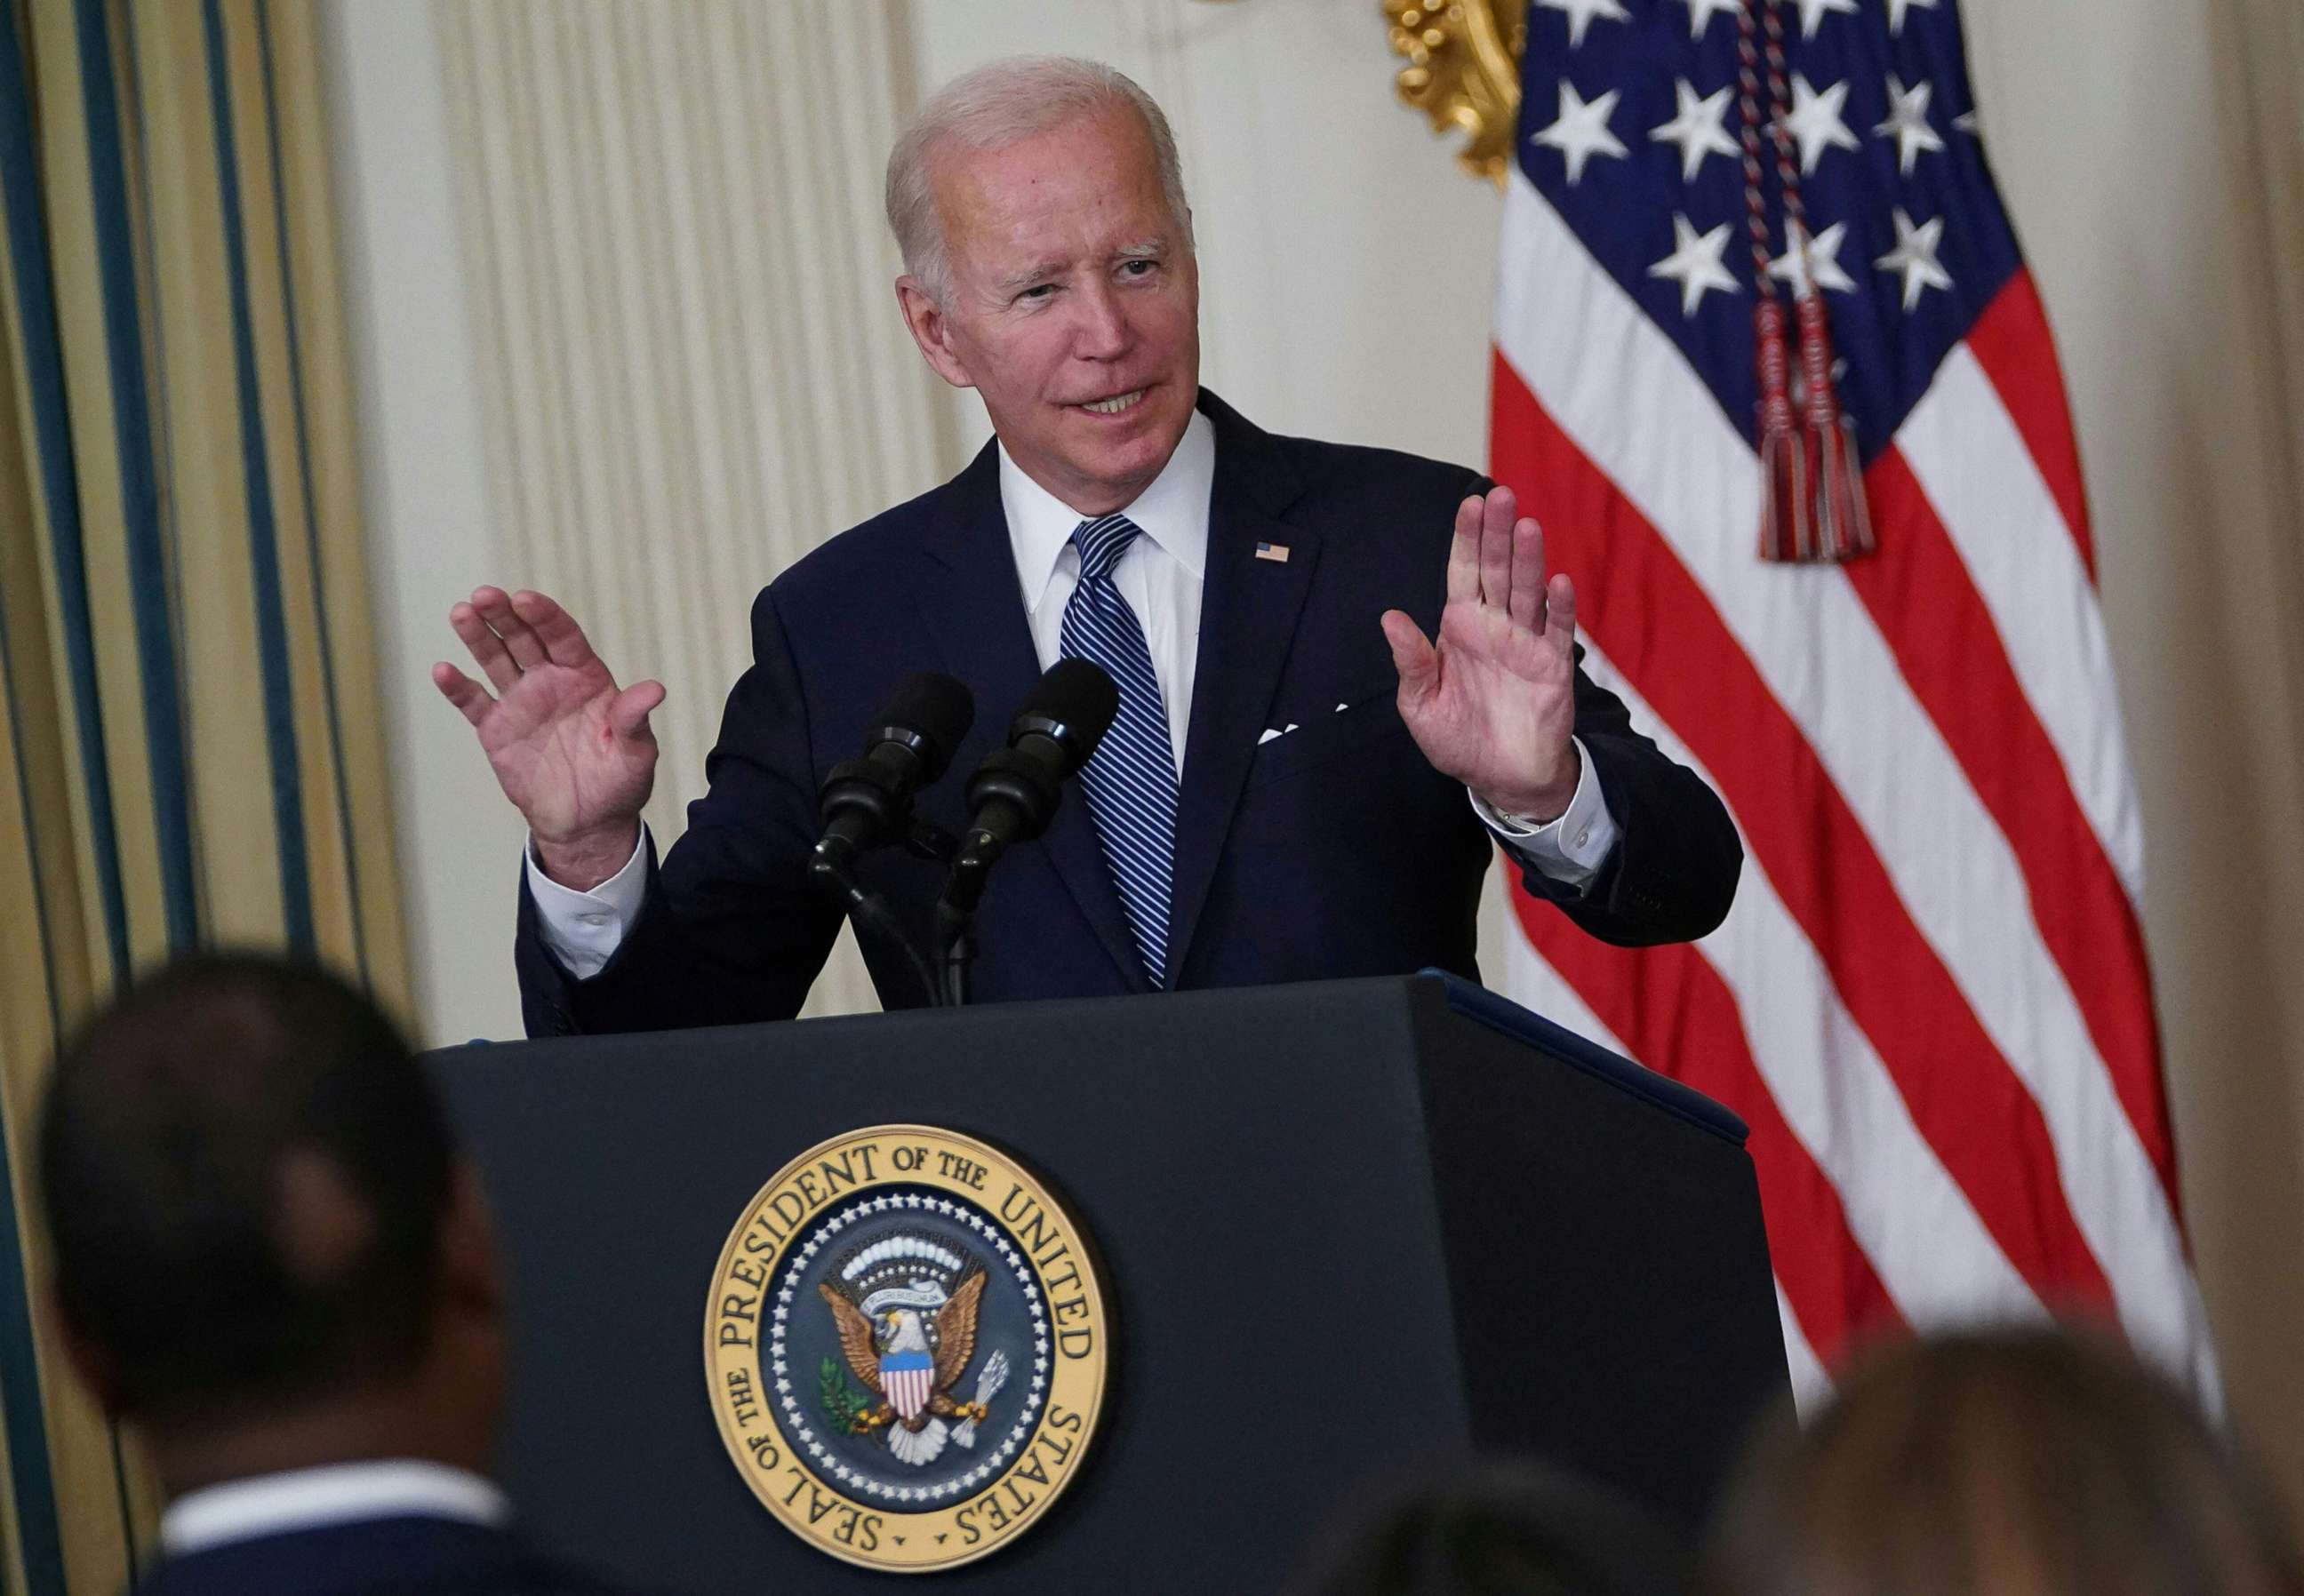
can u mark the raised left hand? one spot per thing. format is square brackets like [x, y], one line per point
[1493, 704]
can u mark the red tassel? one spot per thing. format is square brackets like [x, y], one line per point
[1786, 529]
[1844, 528]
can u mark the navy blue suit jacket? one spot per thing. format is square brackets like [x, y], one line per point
[1334, 850]
[381, 1557]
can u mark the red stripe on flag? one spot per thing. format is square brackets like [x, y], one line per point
[1669, 1004]
[1920, 595]
[1656, 623]
[2011, 340]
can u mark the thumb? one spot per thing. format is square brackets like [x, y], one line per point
[628, 713]
[1412, 655]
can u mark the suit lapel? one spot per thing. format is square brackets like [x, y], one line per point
[968, 597]
[1249, 611]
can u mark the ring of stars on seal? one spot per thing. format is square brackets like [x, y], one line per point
[795, 1416]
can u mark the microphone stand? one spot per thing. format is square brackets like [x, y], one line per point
[828, 868]
[1010, 799]
[955, 925]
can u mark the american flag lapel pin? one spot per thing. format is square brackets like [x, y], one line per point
[1273, 551]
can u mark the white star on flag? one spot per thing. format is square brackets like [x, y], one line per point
[1701, 129]
[1967, 123]
[1700, 14]
[1815, 121]
[1812, 13]
[1897, 8]
[1580, 14]
[1582, 131]
[1908, 123]
[1822, 257]
[1915, 256]
[1695, 264]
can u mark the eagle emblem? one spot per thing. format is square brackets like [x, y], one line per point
[905, 1310]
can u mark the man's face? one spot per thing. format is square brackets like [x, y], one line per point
[1075, 310]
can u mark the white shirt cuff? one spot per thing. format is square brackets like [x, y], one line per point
[1569, 849]
[585, 929]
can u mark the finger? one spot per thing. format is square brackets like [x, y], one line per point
[1412, 655]
[487, 649]
[1559, 613]
[470, 697]
[628, 712]
[1464, 552]
[1527, 592]
[1496, 548]
[555, 628]
[518, 638]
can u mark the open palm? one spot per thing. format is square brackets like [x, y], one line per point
[1493, 702]
[571, 749]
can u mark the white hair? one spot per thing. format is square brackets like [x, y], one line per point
[997, 105]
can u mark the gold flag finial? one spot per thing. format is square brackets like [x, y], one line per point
[1463, 71]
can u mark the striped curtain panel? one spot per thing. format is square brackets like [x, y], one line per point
[189, 749]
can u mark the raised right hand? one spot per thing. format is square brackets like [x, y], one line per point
[571, 750]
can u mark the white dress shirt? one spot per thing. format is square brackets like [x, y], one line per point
[1160, 574]
[336, 1493]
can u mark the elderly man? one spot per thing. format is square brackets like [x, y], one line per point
[1302, 781]
[269, 1261]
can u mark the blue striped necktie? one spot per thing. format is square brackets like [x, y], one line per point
[1131, 779]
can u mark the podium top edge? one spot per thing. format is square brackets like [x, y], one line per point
[1466, 998]
[1499, 1013]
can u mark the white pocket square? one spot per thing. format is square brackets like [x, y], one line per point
[1270, 732]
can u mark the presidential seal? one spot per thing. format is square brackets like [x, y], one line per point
[905, 1347]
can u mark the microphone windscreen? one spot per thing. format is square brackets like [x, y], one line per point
[939, 709]
[1077, 696]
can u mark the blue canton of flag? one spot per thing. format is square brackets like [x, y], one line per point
[1630, 126]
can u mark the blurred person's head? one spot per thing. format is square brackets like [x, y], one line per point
[1499, 1529]
[267, 1253]
[1049, 264]
[2018, 1463]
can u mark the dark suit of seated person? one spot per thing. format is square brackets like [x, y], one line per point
[271, 1263]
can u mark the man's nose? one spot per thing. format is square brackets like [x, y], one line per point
[1102, 332]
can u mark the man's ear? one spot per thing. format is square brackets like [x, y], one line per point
[471, 1268]
[97, 1368]
[931, 330]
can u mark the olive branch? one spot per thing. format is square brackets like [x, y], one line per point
[842, 1402]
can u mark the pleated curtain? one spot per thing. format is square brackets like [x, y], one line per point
[190, 750]
[691, 365]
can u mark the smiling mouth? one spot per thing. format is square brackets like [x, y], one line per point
[1117, 403]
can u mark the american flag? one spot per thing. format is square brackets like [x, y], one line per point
[1931, 1002]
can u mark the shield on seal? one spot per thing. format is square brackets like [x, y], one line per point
[907, 1378]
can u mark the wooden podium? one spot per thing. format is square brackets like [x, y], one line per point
[1347, 1229]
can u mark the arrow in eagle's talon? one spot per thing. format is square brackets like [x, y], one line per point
[988, 1386]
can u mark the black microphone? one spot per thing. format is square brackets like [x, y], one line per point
[1015, 792]
[868, 800]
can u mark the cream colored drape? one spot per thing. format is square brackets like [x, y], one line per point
[690, 366]
[2153, 158]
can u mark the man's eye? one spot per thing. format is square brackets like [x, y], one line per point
[1039, 290]
[1139, 269]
